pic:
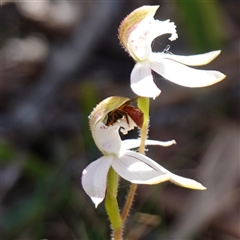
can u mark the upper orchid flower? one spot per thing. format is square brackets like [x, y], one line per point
[136, 33]
[130, 165]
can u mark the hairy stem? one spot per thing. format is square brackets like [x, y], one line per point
[143, 104]
[129, 201]
[111, 204]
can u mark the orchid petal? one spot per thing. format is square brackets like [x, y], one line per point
[137, 168]
[193, 60]
[186, 182]
[142, 81]
[94, 178]
[183, 75]
[134, 143]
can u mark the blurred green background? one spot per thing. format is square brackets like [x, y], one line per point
[59, 59]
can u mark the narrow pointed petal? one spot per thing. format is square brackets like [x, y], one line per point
[134, 143]
[183, 75]
[137, 168]
[186, 182]
[193, 60]
[94, 178]
[160, 143]
[142, 81]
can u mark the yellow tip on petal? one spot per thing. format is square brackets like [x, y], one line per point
[130, 22]
[186, 182]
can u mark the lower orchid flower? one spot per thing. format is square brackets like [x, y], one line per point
[137, 32]
[130, 165]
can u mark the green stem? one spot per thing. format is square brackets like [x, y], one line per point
[143, 104]
[111, 204]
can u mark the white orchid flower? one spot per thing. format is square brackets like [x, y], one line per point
[130, 165]
[136, 33]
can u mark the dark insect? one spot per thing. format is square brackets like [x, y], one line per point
[126, 111]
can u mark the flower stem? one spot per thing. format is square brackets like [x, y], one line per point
[111, 204]
[129, 201]
[143, 104]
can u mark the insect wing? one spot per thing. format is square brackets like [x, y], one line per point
[135, 114]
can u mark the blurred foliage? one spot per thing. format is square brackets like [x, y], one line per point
[203, 23]
[43, 158]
